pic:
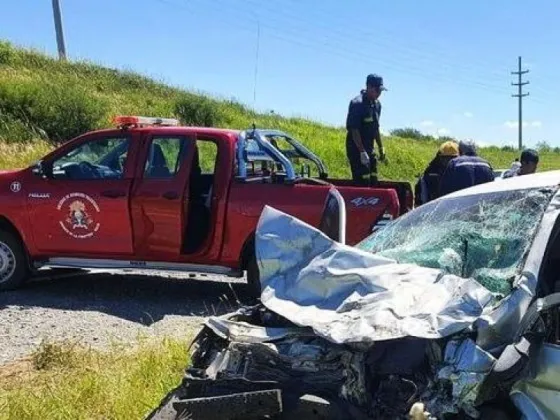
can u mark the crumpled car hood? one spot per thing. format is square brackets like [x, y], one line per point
[362, 332]
[350, 296]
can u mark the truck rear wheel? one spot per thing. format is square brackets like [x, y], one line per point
[253, 277]
[13, 266]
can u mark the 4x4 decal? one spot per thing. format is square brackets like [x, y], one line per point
[368, 201]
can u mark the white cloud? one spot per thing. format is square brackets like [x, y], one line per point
[442, 132]
[482, 143]
[468, 114]
[513, 124]
[427, 123]
[510, 124]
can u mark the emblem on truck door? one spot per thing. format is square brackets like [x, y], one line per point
[78, 212]
[15, 186]
[361, 201]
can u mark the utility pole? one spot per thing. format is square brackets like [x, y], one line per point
[59, 31]
[520, 95]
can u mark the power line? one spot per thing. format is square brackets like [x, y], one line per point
[474, 67]
[305, 37]
[520, 95]
[330, 46]
[373, 38]
[59, 31]
[340, 45]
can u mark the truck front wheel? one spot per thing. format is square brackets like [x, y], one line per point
[13, 266]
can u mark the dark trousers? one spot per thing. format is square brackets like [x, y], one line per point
[361, 174]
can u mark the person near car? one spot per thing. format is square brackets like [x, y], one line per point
[362, 124]
[427, 187]
[466, 170]
[513, 169]
[529, 161]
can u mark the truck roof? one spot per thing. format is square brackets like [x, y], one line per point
[232, 134]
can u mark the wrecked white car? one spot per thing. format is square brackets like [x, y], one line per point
[450, 311]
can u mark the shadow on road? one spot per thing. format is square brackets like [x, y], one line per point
[138, 298]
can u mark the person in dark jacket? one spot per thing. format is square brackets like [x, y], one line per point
[427, 187]
[466, 170]
[362, 125]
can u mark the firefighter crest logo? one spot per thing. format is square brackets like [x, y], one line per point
[78, 213]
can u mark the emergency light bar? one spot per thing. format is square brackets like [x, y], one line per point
[125, 120]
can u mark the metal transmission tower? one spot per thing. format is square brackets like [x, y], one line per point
[59, 31]
[520, 95]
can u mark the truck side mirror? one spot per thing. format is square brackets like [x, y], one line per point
[41, 170]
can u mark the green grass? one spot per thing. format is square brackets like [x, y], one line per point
[43, 98]
[43, 101]
[63, 381]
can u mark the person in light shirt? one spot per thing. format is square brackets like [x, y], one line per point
[529, 162]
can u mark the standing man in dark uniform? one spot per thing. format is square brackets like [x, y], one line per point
[362, 124]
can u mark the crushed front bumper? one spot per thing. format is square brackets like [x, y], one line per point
[255, 364]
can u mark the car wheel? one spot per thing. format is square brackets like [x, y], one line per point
[253, 277]
[13, 265]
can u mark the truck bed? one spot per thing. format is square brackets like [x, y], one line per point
[403, 188]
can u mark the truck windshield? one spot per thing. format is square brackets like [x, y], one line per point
[482, 236]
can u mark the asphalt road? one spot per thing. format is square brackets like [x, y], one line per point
[99, 309]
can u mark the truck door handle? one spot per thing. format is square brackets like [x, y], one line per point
[170, 195]
[113, 194]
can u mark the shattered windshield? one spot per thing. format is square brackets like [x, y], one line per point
[481, 236]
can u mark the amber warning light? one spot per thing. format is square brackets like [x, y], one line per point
[126, 120]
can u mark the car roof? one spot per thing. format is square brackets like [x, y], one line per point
[185, 130]
[537, 180]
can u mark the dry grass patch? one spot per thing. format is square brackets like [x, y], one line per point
[21, 155]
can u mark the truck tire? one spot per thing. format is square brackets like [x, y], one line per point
[253, 277]
[13, 263]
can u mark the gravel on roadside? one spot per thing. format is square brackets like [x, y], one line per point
[99, 309]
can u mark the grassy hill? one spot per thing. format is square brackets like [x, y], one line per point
[43, 101]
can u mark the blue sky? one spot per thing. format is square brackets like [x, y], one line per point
[447, 64]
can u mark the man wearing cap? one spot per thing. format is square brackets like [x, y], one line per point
[427, 188]
[362, 124]
[529, 162]
[466, 170]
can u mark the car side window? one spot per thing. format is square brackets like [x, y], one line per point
[102, 158]
[165, 156]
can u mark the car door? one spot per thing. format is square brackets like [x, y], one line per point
[81, 207]
[159, 198]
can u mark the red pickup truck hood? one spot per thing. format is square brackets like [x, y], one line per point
[7, 172]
